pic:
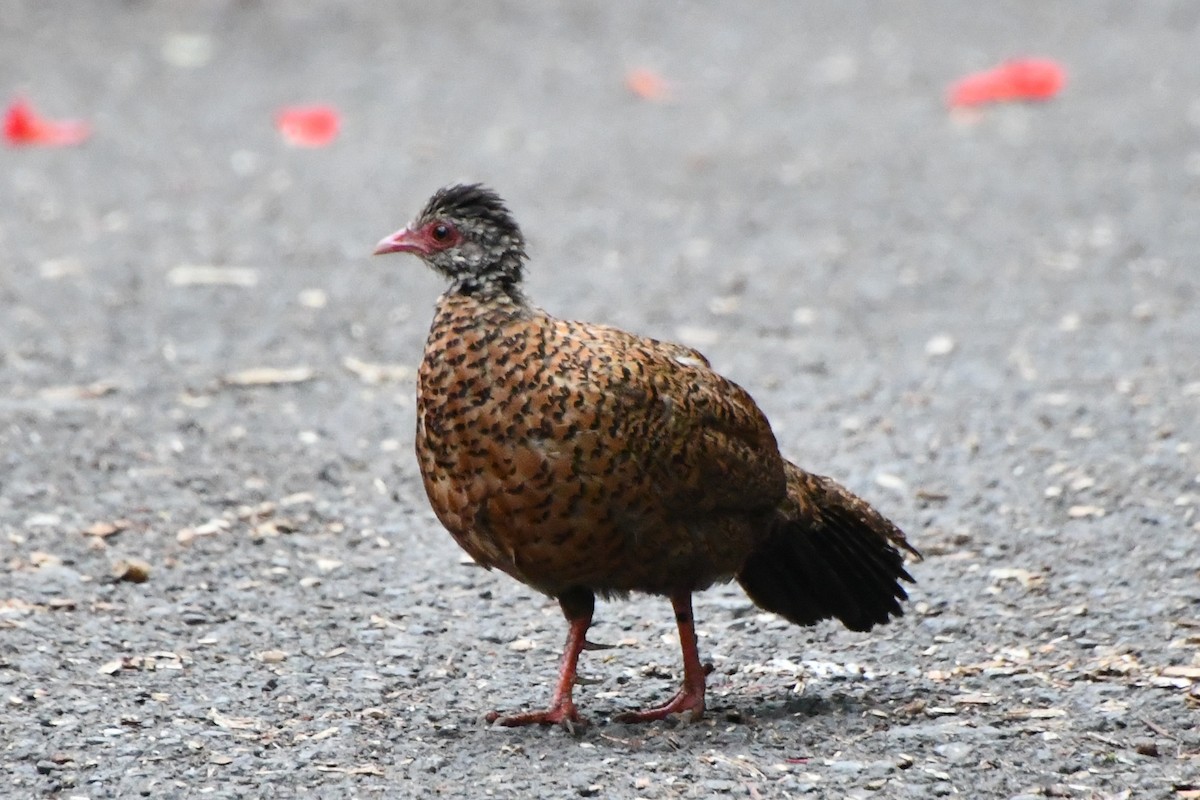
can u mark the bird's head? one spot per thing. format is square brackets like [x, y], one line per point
[466, 233]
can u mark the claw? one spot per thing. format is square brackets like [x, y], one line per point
[688, 705]
[564, 714]
[594, 646]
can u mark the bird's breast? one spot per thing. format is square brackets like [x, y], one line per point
[564, 463]
[508, 452]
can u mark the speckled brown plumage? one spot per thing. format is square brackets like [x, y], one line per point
[583, 460]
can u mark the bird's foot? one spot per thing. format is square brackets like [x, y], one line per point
[563, 713]
[688, 704]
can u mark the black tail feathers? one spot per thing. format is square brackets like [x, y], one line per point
[830, 555]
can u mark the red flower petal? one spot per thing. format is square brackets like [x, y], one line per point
[1019, 79]
[646, 84]
[308, 126]
[23, 127]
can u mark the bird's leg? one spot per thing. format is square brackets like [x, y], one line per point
[689, 699]
[577, 607]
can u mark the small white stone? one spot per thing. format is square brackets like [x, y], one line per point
[724, 305]
[1079, 512]
[1082, 482]
[187, 50]
[805, 316]
[212, 275]
[940, 345]
[313, 298]
[697, 336]
[1070, 322]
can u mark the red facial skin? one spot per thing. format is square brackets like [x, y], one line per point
[427, 238]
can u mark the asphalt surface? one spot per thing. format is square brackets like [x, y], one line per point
[987, 323]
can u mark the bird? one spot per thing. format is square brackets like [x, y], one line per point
[583, 461]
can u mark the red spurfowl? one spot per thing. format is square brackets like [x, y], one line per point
[583, 460]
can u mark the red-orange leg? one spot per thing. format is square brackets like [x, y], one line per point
[689, 700]
[562, 711]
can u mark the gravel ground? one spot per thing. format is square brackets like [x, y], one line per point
[986, 322]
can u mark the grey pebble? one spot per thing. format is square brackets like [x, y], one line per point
[846, 767]
[954, 752]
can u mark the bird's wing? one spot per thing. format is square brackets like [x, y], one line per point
[697, 440]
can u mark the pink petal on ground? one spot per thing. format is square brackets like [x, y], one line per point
[23, 128]
[308, 126]
[646, 84]
[1019, 79]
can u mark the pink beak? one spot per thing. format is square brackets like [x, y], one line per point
[402, 241]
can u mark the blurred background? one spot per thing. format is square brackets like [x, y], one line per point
[984, 319]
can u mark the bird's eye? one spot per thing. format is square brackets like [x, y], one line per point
[440, 232]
